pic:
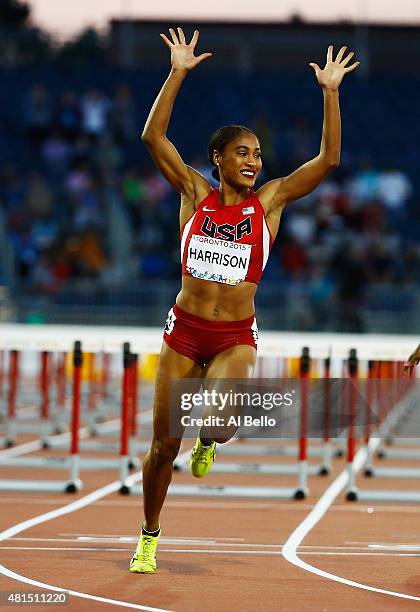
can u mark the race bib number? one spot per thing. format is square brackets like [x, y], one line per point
[218, 260]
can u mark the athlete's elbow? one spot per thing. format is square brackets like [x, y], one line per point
[150, 135]
[146, 138]
[331, 162]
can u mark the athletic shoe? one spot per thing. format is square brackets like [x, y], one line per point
[202, 458]
[144, 559]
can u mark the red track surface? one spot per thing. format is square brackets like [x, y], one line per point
[218, 554]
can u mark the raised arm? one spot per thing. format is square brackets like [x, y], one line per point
[182, 177]
[302, 181]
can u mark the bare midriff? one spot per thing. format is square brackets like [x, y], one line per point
[217, 301]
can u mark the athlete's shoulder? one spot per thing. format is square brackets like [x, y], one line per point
[209, 198]
[256, 201]
[271, 194]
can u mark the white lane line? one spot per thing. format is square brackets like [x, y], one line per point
[50, 587]
[208, 552]
[67, 509]
[64, 548]
[113, 535]
[305, 549]
[361, 554]
[165, 541]
[289, 551]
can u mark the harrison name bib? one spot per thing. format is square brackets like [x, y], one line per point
[218, 260]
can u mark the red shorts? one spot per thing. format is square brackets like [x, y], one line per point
[201, 340]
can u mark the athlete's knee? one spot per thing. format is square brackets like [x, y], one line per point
[221, 435]
[223, 440]
[164, 450]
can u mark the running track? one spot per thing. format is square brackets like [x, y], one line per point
[237, 555]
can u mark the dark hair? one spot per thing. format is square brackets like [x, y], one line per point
[222, 137]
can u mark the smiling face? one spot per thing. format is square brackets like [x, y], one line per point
[240, 161]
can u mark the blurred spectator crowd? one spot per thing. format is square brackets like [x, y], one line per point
[55, 202]
[81, 150]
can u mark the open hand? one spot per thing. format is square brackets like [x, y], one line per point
[332, 75]
[182, 55]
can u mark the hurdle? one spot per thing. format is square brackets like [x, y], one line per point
[326, 466]
[134, 446]
[368, 467]
[397, 405]
[11, 398]
[301, 469]
[98, 394]
[273, 345]
[44, 392]
[351, 439]
[57, 423]
[125, 417]
[301, 452]
[50, 421]
[74, 462]
[405, 454]
[392, 420]
[126, 426]
[73, 484]
[324, 452]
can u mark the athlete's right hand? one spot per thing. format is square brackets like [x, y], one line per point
[411, 363]
[182, 55]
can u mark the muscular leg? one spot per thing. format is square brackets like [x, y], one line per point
[158, 463]
[238, 362]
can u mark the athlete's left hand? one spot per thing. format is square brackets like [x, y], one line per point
[332, 75]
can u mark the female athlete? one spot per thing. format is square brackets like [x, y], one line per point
[226, 236]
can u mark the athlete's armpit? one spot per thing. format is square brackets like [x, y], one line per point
[202, 187]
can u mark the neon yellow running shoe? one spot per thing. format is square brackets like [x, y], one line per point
[144, 559]
[202, 458]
